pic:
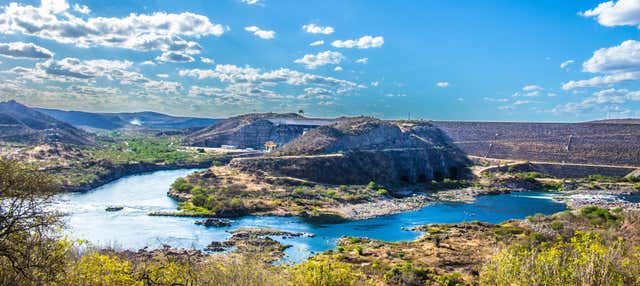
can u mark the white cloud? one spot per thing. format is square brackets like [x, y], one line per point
[604, 101]
[362, 61]
[624, 57]
[491, 99]
[620, 13]
[314, 29]
[165, 87]
[523, 102]
[375, 83]
[327, 103]
[395, 95]
[602, 80]
[320, 59]
[206, 60]
[175, 57]
[262, 34]
[162, 75]
[566, 63]
[93, 90]
[319, 93]
[54, 6]
[616, 64]
[21, 50]
[82, 9]
[365, 42]
[155, 32]
[236, 74]
[251, 2]
[338, 68]
[147, 63]
[531, 88]
[75, 70]
[317, 43]
[442, 84]
[529, 91]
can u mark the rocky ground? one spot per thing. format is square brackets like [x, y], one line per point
[256, 241]
[383, 207]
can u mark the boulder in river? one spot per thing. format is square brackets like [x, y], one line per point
[114, 208]
[213, 222]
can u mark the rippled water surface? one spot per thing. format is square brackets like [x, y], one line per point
[133, 229]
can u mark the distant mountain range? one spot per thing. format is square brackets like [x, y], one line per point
[113, 121]
[19, 123]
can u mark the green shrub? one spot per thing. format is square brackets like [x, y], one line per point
[372, 185]
[321, 271]
[181, 185]
[599, 216]
[382, 192]
[406, 274]
[298, 191]
[557, 226]
[236, 203]
[199, 200]
[451, 279]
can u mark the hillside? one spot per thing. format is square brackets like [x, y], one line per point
[358, 150]
[21, 124]
[590, 143]
[112, 121]
[248, 131]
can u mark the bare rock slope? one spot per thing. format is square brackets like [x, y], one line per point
[248, 131]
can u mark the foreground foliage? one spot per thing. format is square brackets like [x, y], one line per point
[586, 259]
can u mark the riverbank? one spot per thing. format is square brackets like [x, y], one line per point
[111, 172]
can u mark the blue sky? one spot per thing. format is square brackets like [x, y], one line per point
[444, 60]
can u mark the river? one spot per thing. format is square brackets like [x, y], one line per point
[131, 228]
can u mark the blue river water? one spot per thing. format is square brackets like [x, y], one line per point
[133, 229]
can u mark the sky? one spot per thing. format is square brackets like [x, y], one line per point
[493, 60]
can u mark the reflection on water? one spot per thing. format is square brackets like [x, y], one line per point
[133, 229]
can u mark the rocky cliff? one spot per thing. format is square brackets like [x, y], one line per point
[248, 131]
[363, 149]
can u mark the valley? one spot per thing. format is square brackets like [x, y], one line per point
[394, 201]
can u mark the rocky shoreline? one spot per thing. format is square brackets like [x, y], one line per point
[383, 207]
[608, 199]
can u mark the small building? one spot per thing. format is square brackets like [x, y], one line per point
[270, 146]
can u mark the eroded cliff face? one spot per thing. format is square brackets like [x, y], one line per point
[247, 131]
[359, 150]
[359, 167]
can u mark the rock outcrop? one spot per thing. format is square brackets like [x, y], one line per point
[249, 131]
[363, 149]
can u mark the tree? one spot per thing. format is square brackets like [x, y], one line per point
[29, 250]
